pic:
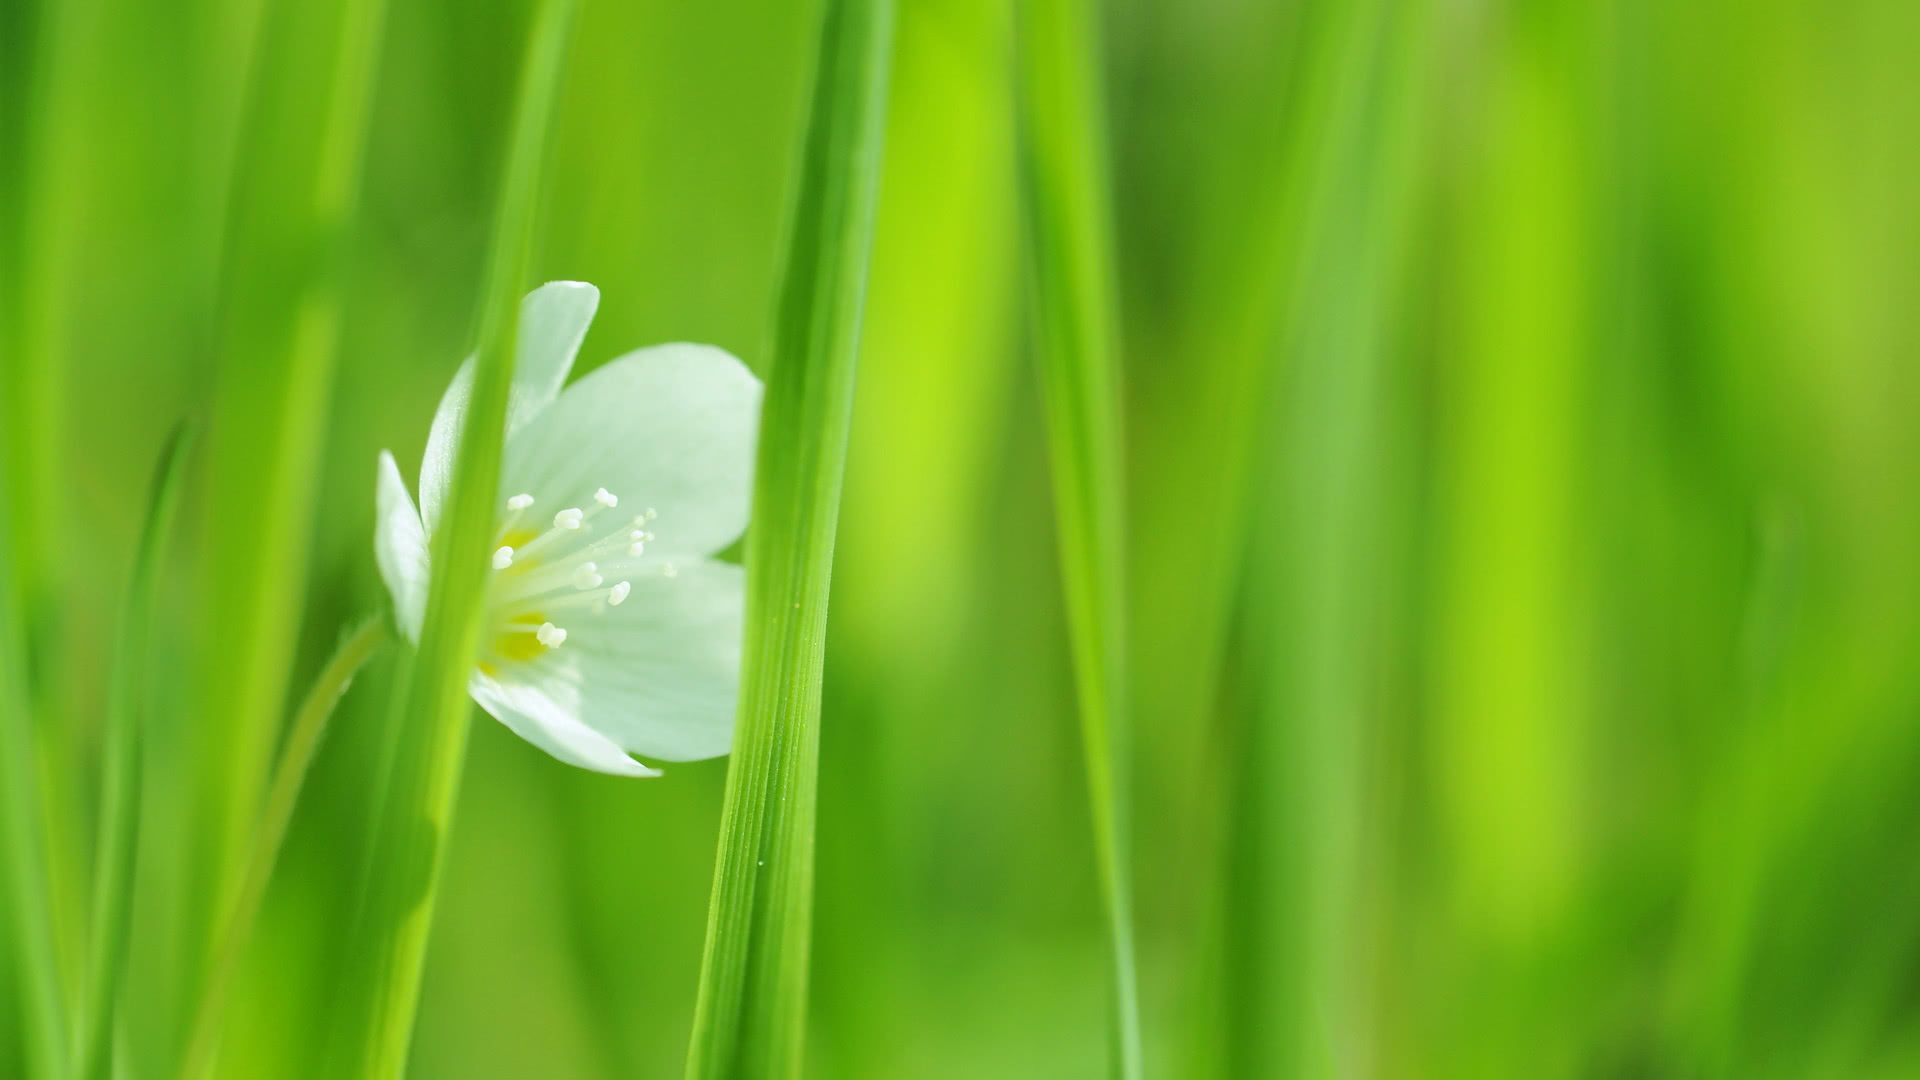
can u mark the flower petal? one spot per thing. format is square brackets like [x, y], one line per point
[670, 427]
[659, 674]
[400, 547]
[553, 321]
[533, 712]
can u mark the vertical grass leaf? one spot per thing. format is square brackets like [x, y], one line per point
[304, 735]
[1301, 990]
[751, 1013]
[22, 827]
[291, 213]
[1063, 165]
[129, 694]
[423, 776]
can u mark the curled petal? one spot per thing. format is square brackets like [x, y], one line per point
[553, 322]
[400, 547]
[542, 713]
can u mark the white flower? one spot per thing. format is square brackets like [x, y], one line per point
[608, 627]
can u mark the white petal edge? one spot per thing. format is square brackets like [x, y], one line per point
[533, 712]
[660, 674]
[553, 321]
[671, 427]
[400, 547]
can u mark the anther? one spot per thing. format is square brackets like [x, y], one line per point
[587, 577]
[606, 498]
[618, 593]
[503, 558]
[520, 502]
[550, 635]
[569, 518]
[669, 570]
[637, 548]
[652, 513]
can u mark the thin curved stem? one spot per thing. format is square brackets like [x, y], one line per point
[289, 776]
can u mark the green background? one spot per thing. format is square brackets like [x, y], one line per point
[1524, 549]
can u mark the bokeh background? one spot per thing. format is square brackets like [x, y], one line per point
[1521, 411]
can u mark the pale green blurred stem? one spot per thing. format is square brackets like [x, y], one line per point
[55, 147]
[49, 214]
[750, 1018]
[129, 689]
[24, 837]
[282, 295]
[304, 735]
[1063, 163]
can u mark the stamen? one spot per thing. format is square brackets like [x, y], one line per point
[520, 502]
[637, 548]
[503, 558]
[550, 635]
[652, 513]
[669, 570]
[569, 518]
[606, 498]
[587, 576]
[619, 593]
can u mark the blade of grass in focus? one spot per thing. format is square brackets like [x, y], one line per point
[1063, 166]
[129, 694]
[431, 703]
[293, 206]
[750, 1017]
[38, 984]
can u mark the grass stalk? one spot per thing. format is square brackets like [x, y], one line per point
[23, 826]
[304, 735]
[1068, 209]
[129, 691]
[1322, 576]
[282, 296]
[409, 844]
[750, 1016]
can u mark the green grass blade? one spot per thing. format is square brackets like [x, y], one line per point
[424, 773]
[291, 214]
[304, 735]
[1063, 163]
[119, 825]
[751, 1014]
[24, 829]
[1302, 993]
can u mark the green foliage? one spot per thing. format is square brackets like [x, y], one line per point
[122, 767]
[1063, 162]
[1514, 422]
[431, 707]
[751, 1015]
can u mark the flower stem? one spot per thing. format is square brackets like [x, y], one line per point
[303, 740]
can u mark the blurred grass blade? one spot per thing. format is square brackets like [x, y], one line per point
[304, 734]
[281, 298]
[24, 836]
[1302, 993]
[49, 221]
[750, 1018]
[1063, 164]
[129, 700]
[423, 778]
